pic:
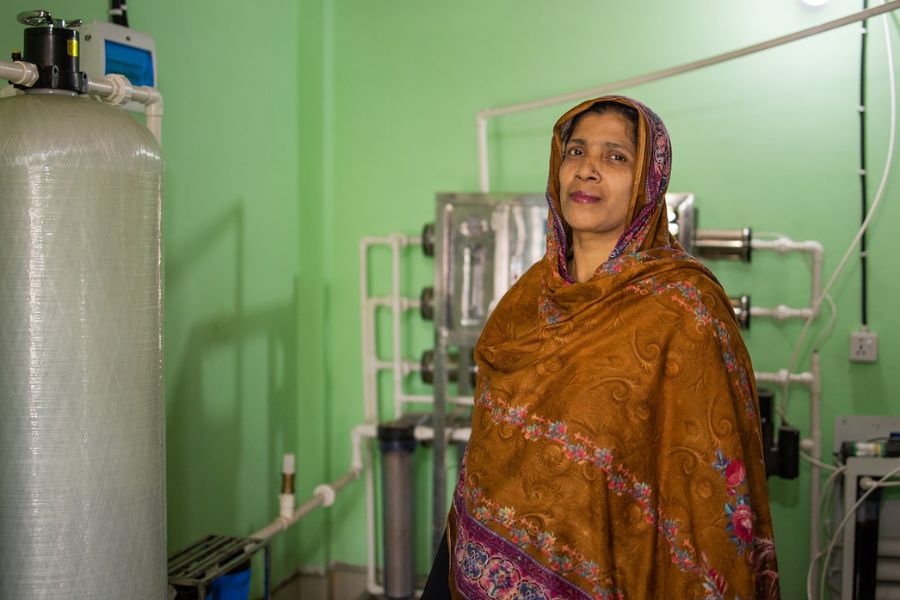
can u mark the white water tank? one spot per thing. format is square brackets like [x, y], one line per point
[82, 443]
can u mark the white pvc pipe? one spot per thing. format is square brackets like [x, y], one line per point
[116, 89]
[783, 376]
[783, 245]
[813, 379]
[482, 117]
[364, 430]
[153, 112]
[19, 72]
[396, 317]
[370, 399]
[457, 400]
[484, 172]
[323, 496]
[781, 312]
[368, 306]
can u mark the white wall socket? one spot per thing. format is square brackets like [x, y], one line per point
[863, 346]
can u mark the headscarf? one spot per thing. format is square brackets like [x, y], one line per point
[615, 448]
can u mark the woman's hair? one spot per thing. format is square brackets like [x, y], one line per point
[627, 113]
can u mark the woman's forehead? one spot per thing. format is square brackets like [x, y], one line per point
[605, 128]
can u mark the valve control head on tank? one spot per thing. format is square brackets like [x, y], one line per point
[52, 45]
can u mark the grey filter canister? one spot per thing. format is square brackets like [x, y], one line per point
[397, 443]
[82, 444]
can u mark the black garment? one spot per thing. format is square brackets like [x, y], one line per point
[438, 587]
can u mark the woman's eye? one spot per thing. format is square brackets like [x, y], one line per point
[574, 152]
[619, 157]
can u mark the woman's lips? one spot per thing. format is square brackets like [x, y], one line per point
[583, 198]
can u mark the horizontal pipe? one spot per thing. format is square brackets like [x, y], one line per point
[19, 72]
[784, 244]
[405, 240]
[481, 118]
[115, 89]
[385, 301]
[814, 248]
[324, 495]
[783, 377]
[781, 312]
[422, 399]
[691, 66]
[424, 433]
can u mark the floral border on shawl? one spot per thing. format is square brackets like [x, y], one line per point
[741, 524]
[687, 296]
[581, 449]
[738, 512]
[497, 567]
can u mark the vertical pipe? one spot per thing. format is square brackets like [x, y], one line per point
[814, 472]
[267, 558]
[396, 316]
[369, 408]
[483, 166]
[371, 578]
[397, 442]
[154, 114]
[816, 276]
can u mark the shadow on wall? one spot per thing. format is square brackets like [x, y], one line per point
[232, 405]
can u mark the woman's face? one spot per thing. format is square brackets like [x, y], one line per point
[596, 176]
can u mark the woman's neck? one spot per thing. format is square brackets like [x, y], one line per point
[588, 253]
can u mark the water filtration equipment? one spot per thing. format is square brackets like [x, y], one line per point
[82, 449]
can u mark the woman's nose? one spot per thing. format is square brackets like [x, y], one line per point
[588, 170]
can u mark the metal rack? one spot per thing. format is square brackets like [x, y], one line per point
[193, 569]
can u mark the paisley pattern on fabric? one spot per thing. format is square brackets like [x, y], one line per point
[487, 565]
[615, 448]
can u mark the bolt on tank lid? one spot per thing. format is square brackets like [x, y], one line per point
[43, 18]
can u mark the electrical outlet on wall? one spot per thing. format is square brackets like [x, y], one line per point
[863, 346]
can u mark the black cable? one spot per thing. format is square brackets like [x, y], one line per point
[118, 13]
[863, 270]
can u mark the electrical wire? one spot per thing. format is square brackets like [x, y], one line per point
[815, 461]
[863, 259]
[118, 12]
[867, 482]
[824, 499]
[840, 527]
[869, 216]
[823, 335]
[774, 235]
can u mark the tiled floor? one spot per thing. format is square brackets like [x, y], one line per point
[342, 582]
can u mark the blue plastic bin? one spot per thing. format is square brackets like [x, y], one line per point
[234, 586]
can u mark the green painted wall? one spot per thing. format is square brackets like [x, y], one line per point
[243, 330]
[768, 141]
[364, 111]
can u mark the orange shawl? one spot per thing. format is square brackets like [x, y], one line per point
[615, 448]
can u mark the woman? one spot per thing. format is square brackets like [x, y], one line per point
[615, 448]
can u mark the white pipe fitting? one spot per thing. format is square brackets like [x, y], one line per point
[366, 430]
[287, 464]
[326, 492]
[121, 90]
[481, 122]
[286, 505]
[19, 72]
